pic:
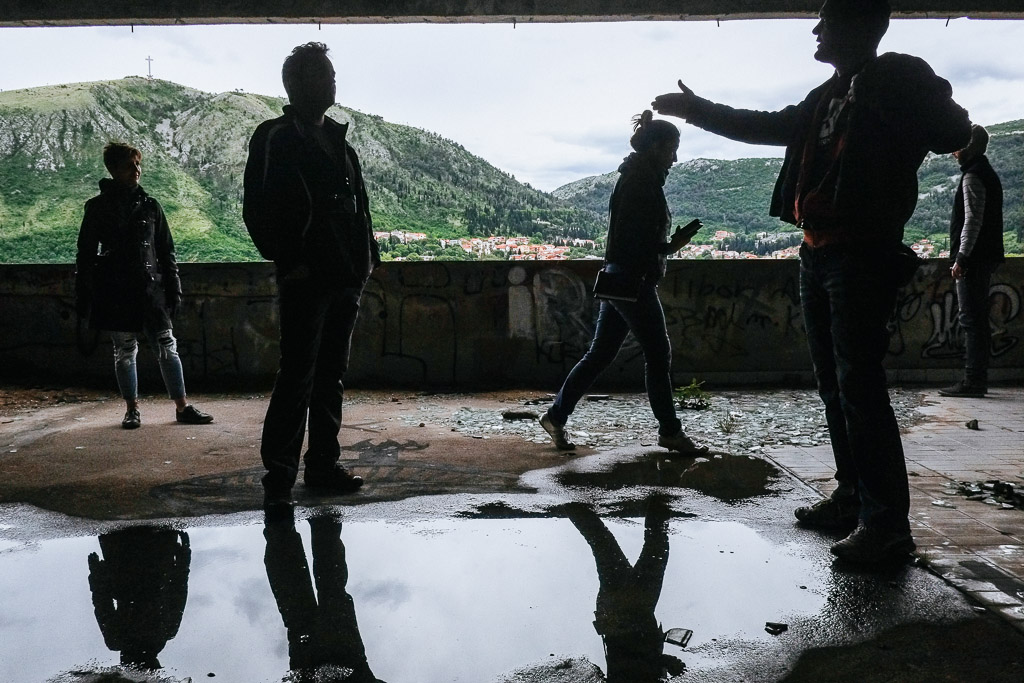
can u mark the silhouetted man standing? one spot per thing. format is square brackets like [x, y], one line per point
[849, 181]
[307, 211]
[976, 247]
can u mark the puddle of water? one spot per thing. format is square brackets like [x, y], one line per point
[434, 600]
[730, 479]
[464, 588]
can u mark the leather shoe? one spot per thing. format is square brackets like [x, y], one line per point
[681, 443]
[334, 480]
[874, 545]
[190, 415]
[132, 419]
[963, 389]
[830, 513]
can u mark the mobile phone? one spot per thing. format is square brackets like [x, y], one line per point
[690, 229]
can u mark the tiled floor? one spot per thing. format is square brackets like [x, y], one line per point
[975, 546]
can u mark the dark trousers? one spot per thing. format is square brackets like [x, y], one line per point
[645, 318]
[316, 337]
[848, 296]
[972, 297]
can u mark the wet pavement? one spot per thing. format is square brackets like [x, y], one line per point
[477, 553]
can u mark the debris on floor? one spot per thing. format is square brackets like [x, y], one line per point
[678, 636]
[1004, 494]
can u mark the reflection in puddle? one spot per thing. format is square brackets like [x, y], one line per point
[323, 635]
[437, 599]
[729, 478]
[139, 584]
[628, 595]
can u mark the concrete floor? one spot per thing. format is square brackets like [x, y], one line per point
[978, 548]
[66, 453]
[72, 457]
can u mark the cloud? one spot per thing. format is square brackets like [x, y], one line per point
[540, 101]
[386, 593]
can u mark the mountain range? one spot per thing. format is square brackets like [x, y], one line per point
[734, 195]
[194, 148]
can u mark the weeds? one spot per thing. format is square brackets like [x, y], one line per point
[692, 397]
[727, 424]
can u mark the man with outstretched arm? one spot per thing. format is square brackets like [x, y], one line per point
[849, 181]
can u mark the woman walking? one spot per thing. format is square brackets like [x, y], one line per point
[638, 245]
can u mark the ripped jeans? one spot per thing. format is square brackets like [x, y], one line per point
[165, 346]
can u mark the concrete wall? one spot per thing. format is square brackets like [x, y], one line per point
[499, 324]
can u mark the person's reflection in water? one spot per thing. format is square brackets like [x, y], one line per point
[139, 590]
[628, 594]
[323, 637]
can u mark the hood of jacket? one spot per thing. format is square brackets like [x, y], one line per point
[642, 165]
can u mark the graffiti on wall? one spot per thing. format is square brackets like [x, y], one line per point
[562, 318]
[947, 339]
[730, 318]
[453, 324]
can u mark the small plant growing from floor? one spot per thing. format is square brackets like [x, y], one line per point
[727, 424]
[692, 397]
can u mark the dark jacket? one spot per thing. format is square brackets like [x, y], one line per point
[899, 112]
[988, 249]
[305, 205]
[639, 219]
[127, 272]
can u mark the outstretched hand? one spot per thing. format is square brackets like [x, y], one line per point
[675, 103]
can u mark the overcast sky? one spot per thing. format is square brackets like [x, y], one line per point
[549, 103]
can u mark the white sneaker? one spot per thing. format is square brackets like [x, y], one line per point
[557, 433]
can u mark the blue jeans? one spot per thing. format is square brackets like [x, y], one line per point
[646, 320]
[165, 346]
[848, 296]
[316, 336]
[972, 297]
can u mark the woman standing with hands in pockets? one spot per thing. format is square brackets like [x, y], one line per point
[637, 248]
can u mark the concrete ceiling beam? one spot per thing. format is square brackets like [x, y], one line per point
[188, 12]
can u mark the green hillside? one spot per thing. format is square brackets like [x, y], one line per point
[939, 176]
[735, 195]
[725, 195]
[194, 148]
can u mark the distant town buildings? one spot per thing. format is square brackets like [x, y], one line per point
[520, 248]
[400, 236]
